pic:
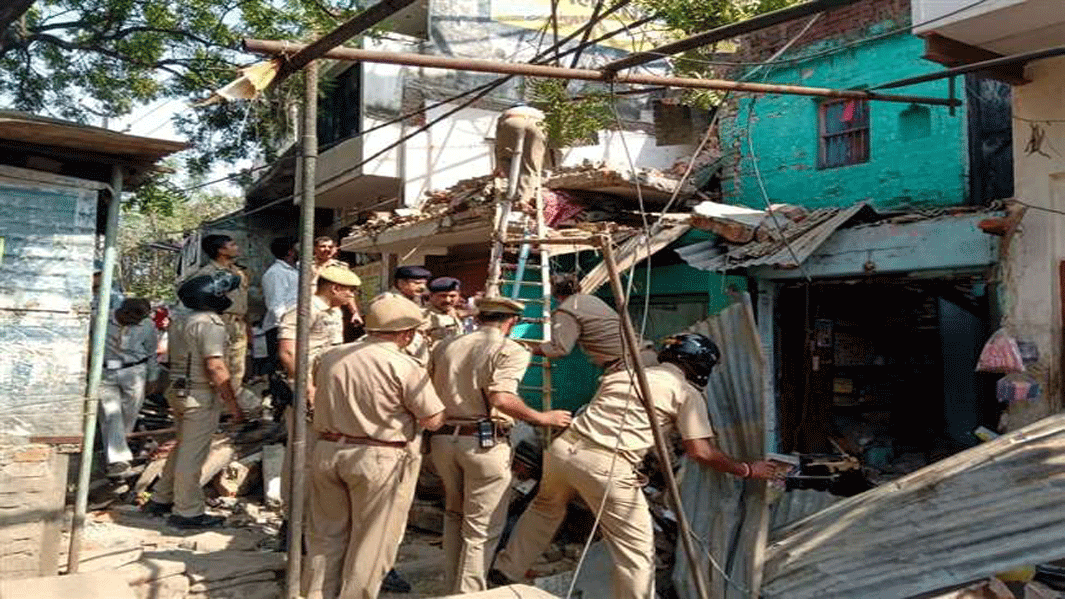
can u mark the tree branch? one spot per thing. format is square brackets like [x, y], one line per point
[11, 11]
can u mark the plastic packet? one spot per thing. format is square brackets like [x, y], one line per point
[1000, 354]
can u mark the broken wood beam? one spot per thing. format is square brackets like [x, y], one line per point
[285, 48]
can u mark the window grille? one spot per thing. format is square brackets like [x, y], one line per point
[843, 133]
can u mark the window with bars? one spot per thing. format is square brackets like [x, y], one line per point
[843, 133]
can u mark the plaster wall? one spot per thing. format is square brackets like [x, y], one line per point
[1031, 300]
[918, 154]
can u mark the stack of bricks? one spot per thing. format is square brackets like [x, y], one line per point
[33, 482]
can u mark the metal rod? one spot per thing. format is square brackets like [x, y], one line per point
[270, 47]
[345, 31]
[983, 65]
[726, 32]
[633, 347]
[96, 369]
[298, 441]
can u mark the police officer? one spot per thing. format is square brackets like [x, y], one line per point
[581, 462]
[409, 283]
[508, 127]
[477, 377]
[325, 251]
[588, 322]
[200, 389]
[444, 295]
[371, 403]
[223, 253]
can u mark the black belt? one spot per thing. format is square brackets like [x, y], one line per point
[132, 364]
[468, 429]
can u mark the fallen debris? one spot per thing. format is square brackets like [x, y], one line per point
[90, 585]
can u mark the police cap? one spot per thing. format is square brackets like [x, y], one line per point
[413, 272]
[391, 314]
[500, 305]
[440, 284]
[340, 276]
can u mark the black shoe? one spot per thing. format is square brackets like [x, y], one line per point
[154, 508]
[119, 470]
[201, 521]
[394, 584]
[497, 579]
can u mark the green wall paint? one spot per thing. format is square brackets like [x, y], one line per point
[918, 154]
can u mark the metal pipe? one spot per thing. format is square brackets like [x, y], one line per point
[983, 65]
[633, 347]
[726, 32]
[274, 48]
[96, 368]
[298, 441]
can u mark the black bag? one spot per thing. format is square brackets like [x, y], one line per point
[281, 395]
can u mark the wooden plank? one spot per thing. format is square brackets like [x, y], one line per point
[945, 243]
[952, 53]
[988, 509]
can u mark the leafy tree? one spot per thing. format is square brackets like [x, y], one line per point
[152, 226]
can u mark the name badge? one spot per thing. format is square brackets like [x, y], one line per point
[114, 364]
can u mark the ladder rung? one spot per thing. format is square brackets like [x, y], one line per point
[522, 283]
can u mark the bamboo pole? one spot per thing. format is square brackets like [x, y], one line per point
[275, 48]
[298, 441]
[633, 347]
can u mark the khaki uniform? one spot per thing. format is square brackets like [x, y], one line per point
[193, 338]
[420, 346]
[591, 323]
[236, 321]
[510, 123]
[361, 494]
[442, 325]
[326, 330]
[581, 462]
[465, 370]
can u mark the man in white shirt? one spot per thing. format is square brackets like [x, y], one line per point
[280, 292]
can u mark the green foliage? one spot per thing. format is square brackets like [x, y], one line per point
[79, 59]
[569, 121]
[688, 17]
[159, 219]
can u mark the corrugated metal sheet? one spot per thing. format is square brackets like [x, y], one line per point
[633, 251]
[988, 509]
[728, 514]
[796, 505]
[47, 236]
[804, 237]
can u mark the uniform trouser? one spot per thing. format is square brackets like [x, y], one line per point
[121, 398]
[475, 485]
[236, 348]
[580, 467]
[532, 152]
[196, 418]
[360, 498]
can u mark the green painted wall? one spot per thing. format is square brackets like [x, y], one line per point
[918, 154]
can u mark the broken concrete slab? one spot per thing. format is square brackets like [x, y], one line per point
[223, 565]
[508, 592]
[170, 587]
[236, 539]
[254, 590]
[147, 569]
[208, 586]
[87, 585]
[988, 509]
[992, 588]
[108, 558]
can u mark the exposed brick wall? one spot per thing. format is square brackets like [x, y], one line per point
[841, 25]
[32, 494]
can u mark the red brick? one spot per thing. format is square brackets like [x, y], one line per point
[35, 453]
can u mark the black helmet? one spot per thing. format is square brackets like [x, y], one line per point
[694, 353]
[208, 292]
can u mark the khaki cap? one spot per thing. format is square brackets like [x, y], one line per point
[500, 305]
[391, 314]
[340, 276]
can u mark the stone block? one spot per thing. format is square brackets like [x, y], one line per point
[223, 565]
[148, 569]
[254, 590]
[34, 453]
[171, 587]
[88, 585]
[210, 586]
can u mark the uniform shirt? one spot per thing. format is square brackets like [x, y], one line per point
[442, 325]
[372, 389]
[280, 291]
[587, 321]
[678, 404]
[467, 369]
[239, 296]
[327, 327]
[129, 344]
[194, 337]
